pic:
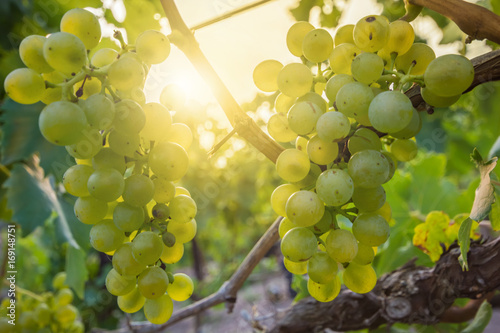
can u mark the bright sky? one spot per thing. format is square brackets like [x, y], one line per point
[236, 45]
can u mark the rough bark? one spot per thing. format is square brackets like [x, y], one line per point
[410, 294]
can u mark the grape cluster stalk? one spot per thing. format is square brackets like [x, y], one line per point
[129, 153]
[347, 146]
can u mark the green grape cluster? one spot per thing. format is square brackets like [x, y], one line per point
[346, 94]
[129, 154]
[50, 312]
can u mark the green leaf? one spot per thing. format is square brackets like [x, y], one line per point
[464, 242]
[481, 320]
[495, 149]
[27, 198]
[330, 20]
[451, 33]
[484, 193]
[476, 157]
[302, 11]
[299, 284]
[76, 270]
[22, 138]
[139, 18]
[495, 214]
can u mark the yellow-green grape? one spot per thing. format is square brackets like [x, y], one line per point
[360, 278]
[367, 67]
[128, 218]
[152, 46]
[301, 143]
[138, 190]
[321, 268]
[64, 296]
[88, 146]
[90, 210]
[310, 179]
[283, 103]
[100, 111]
[104, 57]
[181, 134]
[413, 127]
[404, 150]
[385, 211]
[323, 225]
[335, 83]
[314, 98]
[354, 99]
[107, 158]
[322, 152]
[84, 25]
[371, 229]
[371, 33]
[416, 60]
[365, 255]
[147, 247]
[293, 165]
[182, 208]
[393, 164]
[62, 123]
[173, 97]
[24, 86]
[152, 282]
[280, 196]
[344, 34]
[401, 37]
[41, 313]
[106, 184]
[158, 122]
[183, 232]
[182, 288]
[52, 95]
[285, 225]
[158, 311]
[334, 187]
[168, 160]
[342, 56]
[66, 314]
[59, 281]
[124, 262]
[135, 94]
[295, 37]
[368, 199]
[299, 244]
[171, 255]
[65, 52]
[333, 126]
[390, 111]
[304, 208]
[119, 285]
[131, 302]
[317, 45]
[303, 116]
[368, 168]
[436, 100]
[324, 292]
[279, 129]
[449, 75]
[363, 139]
[126, 73]
[31, 53]
[105, 236]
[341, 245]
[295, 80]
[129, 117]
[265, 75]
[179, 190]
[297, 268]
[75, 180]
[164, 190]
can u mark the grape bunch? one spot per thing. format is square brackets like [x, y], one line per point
[50, 312]
[347, 148]
[129, 154]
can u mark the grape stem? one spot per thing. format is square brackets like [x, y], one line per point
[27, 292]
